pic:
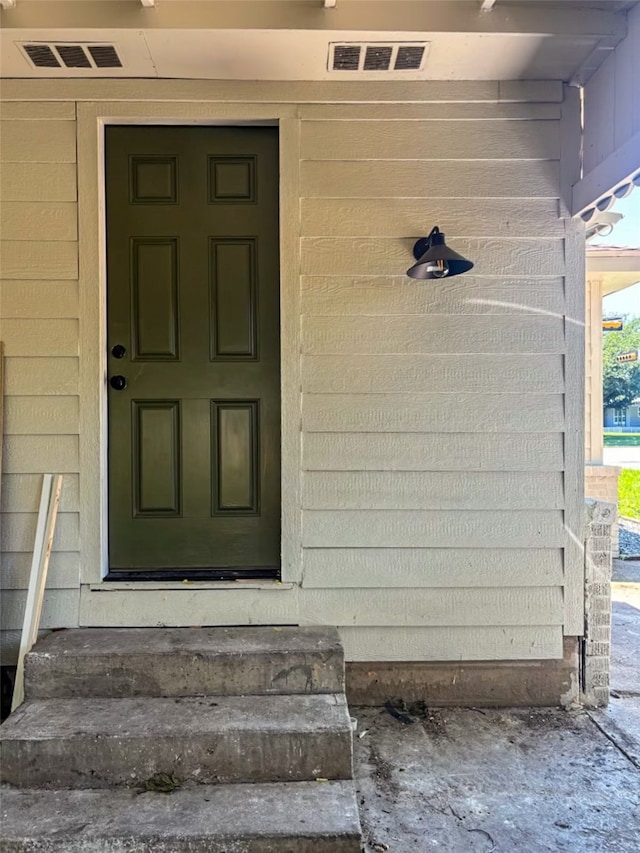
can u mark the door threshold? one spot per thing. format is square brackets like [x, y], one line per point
[201, 586]
[193, 575]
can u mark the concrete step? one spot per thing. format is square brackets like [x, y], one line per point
[301, 817]
[115, 662]
[96, 743]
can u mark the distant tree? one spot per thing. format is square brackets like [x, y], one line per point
[621, 381]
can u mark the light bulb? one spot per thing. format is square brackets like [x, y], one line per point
[438, 269]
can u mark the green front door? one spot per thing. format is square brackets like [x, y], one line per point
[193, 351]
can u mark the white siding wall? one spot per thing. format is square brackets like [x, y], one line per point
[433, 412]
[433, 486]
[39, 327]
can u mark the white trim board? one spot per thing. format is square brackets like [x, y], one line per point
[574, 365]
[254, 94]
[616, 169]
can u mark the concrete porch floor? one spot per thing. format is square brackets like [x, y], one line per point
[460, 780]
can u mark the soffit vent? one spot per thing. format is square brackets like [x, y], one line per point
[41, 56]
[377, 58]
[73, 56]
[85, 56]
[409, 57]
[105, 56]
[346, 57]
[380, 57]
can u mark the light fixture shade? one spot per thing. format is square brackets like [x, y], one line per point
[435, 260]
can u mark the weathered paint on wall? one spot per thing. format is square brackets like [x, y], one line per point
[421, 538]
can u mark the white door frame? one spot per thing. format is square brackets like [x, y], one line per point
[92, 119]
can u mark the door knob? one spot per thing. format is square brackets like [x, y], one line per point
[118, 383]
[118, 351]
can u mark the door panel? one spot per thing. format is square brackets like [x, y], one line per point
[154, 300]
[193, 298]
[156, 462]
[233, 299]
[235, 457]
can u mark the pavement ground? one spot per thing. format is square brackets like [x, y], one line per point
[511, 781]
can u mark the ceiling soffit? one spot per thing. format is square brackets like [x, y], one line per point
[292, 39]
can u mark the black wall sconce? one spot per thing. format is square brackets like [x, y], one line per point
[435, 259]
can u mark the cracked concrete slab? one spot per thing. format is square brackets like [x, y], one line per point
[499, 781]
[460, 780]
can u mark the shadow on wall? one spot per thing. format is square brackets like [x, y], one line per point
[7, 678]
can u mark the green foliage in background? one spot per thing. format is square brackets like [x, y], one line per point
[621, 382]
[629, 493]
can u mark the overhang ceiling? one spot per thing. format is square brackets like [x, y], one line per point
[291, 39]
[617, 267]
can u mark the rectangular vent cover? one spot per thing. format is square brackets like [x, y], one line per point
[409, 57]
[346, 57]
[73, 56]
[105, 56]
[85, 56]
[378, 57]
[41, 56]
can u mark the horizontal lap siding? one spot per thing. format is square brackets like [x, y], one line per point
[38, 182]
[39, 321]
[35, 300]
[19, 529]
[456, 490]
[434, 607]
[19, 219]
[433, 334]
[416, 140]
[433, 567]
[64, 569]
[429, 452]
[387, 295]
[433, 528]
[21, 493]
[386, 217]
[433, 412]
[382, 255]
[402, 373]
[30, 454]
[36, 415]
[459, 643]
[436, 179]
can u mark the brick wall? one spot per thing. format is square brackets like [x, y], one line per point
[601, 483]
[600, 517]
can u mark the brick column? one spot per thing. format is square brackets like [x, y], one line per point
[600, 517]
[601, 483]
